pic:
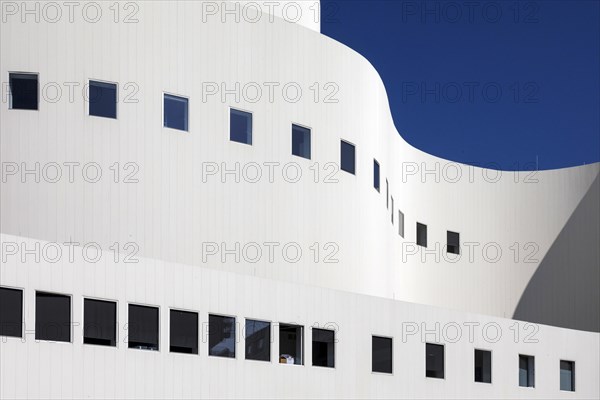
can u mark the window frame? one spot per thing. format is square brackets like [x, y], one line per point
[532, 373]
[83, 299]
[159, 344]
[491, 365]
[448, 233]
[229, 109]
[310, 140]
[71, 330]
[10, 97]
[88, 102]
[198, 332]
[401, 223]
[22, 310]
[391, 338]
[443, 378]
[573, 382]
[355, 173]
[165, 93]
[271, 338]
[302, 343]
[417, 231]
[377, 177]
[313, 329]
[235, 336]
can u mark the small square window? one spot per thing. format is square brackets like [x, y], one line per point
[52, 317]
[258, 340]
[348, 155]
[240, 126]
[421, 234]
[323, 348]
[567, 376]
[175, 112]
[376, 175]
[11, 312]
[23, 91]
[183, 332]
[143, 327]
[434, 361]
[526, 371]
[301, 141]
[291, 344]
[103, 99]
[381, 354]
[453, 246]
[401, 223]
[99, 322]
[221, 336]
[483, 366]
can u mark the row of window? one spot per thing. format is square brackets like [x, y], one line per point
[53, 323]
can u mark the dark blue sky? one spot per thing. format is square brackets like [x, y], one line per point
[492, 83]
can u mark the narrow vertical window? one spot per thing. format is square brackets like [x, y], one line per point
[11, 312]
[23, 91]
[392, 213]
[434, 360]
[381, 353]
[323, 348]
[143, 327]
[453, 242]
[567, 376]
[348, 157]
[526, 371]
[52, 317]
[291, 344]
[221, 336]
[483, 366]
[421, 234]
[376, 175]
[99, 322]
[258, 340]
[102, 97]
[175, 112]
[183, 332]
[387, 194]
[301, 141]
[401, 223]
[240, 126]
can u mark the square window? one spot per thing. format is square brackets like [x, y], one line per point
[348, 155]
[323, 348]
[526, 371]
[183, 332]
[103, 99]
[23, 91]
[258, 340]
[99, 322]
[376, 175]
[221, 336]
[421, 234]
[301, 141]
[240, 126]
[143, 327]
[567, 376]
[483, 366]
[453, 239]
[175, 112]
[401, 223]
[52, 317]
[291, 344]
[434, 361]
[381, 352]
[11, 312]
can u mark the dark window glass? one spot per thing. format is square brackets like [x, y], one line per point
[175, 112]
[291, 344]
[483, 366]
[348, 157]
[11, 312]
[99, 322]
[381, 355]
[52, 317]
[23, 91]
[453, 242]
[323, 348]
[526, 371]
[434, 361]
[240, 126]
[258, 340]
[401, 223]
[301, 141]
[376, 175]
[183, 332]
[143, 327]
[103, 99]
[567, 376]
[421, 235]
[221, 336]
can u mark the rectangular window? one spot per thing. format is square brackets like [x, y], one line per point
[291, 344]
[376, 175]
[387, 194]
[421, 234]
[453, 239]
[183, 332]
[526, 371]
[99, 322]
[323, 348]
[221, 336]
[401, 223]
[52, 317]
[381, 354]
[392, 213]
[258, 340]
[240, 126]
[11, 312]
[175, 112]
[301, 141]
[103, 99]
[483, 366]
[143, 327]
[434, 361]
[23, 91]
[567, 376]
[348, 157]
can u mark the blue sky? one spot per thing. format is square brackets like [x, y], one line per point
[491, 83]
